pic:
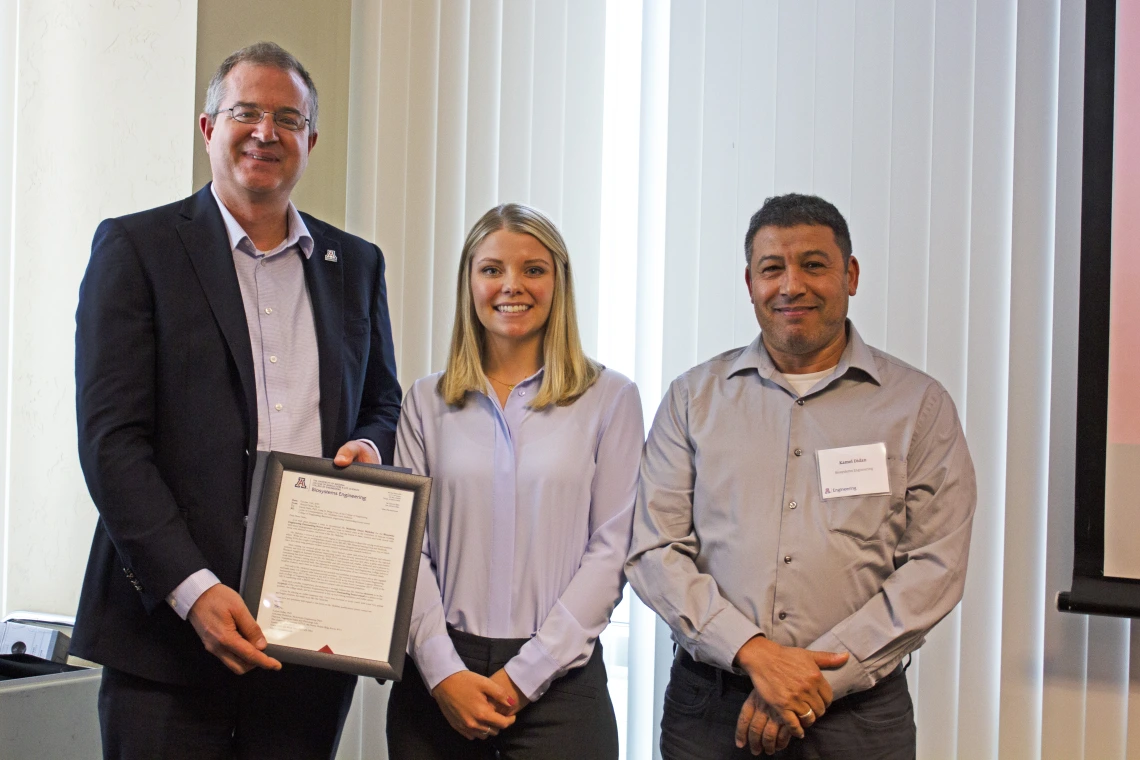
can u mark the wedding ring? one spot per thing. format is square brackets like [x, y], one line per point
[806, 715]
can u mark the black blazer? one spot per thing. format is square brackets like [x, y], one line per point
[167, 415]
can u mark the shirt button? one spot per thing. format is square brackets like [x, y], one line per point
[278, 407]
[522, 393]
[782, 615]
[273, 359]
[787, 559]
[800, 401]
[799, 452]
[792, 505]
[269, 310]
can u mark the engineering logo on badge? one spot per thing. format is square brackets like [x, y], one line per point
[300, 483]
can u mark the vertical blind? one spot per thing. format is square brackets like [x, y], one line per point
[947, 131]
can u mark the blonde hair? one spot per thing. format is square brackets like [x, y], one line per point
[568, 371]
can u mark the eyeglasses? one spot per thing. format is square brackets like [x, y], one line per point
[290, 120]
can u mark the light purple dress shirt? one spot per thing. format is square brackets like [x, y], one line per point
[283, 338]
[529, 522]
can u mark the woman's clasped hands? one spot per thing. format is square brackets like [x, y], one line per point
[476, 706]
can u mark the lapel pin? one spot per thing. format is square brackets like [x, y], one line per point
[330, 255]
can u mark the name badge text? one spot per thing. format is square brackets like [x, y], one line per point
[853, 471]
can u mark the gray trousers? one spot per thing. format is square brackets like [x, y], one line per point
[701, 709]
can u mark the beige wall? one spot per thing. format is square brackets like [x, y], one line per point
[318, 34]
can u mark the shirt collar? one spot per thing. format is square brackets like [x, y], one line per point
[298, 234]
[856, 355]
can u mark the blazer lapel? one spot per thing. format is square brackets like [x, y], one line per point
[204, 236]
[326, 291]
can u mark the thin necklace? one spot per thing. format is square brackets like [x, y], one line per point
[509, 386]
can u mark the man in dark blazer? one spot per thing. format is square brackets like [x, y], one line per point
[207, 330]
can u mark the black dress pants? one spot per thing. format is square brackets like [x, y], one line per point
[573, 719]
[297, 712]
[702, 704]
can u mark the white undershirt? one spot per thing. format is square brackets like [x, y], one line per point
[804, 383]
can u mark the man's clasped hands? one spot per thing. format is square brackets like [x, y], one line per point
[789, 693]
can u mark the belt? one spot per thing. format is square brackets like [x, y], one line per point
[725, 678]
[483, 648]
[736, 682]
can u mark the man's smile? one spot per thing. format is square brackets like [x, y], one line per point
[261, 155]
[793, 311]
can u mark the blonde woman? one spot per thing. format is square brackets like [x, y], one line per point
[534, 450]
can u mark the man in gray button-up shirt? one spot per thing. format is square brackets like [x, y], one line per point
[803, 518]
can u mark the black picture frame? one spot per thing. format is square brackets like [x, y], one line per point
[261, 517]
[1092, 592]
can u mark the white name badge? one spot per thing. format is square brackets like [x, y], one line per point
[853, 471]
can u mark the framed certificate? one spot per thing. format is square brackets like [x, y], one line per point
[331, 559]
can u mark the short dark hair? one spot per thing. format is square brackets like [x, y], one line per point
[794, 209]
[260, 54]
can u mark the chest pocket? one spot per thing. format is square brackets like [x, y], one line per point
[871, 517]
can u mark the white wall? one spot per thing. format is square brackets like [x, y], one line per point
[104, 95]
[8, 58]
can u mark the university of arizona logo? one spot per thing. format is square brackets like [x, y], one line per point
[300, 483]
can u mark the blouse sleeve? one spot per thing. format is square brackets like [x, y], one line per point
[428, 643]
